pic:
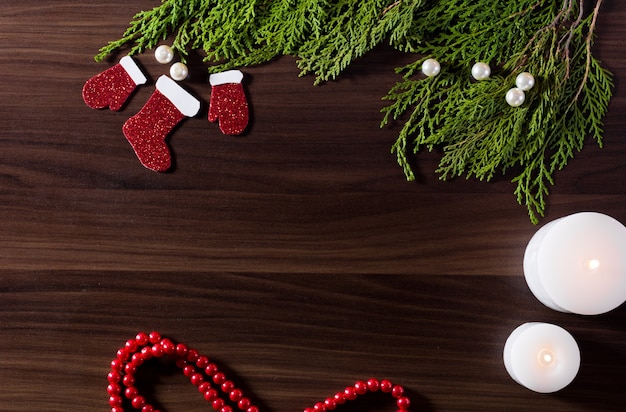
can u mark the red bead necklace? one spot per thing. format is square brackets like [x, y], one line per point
[206, 376]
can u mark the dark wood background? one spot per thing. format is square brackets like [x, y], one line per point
[296, 256]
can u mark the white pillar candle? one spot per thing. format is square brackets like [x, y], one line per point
[577, 264]
[542, 357]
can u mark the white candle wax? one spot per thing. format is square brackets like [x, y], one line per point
[577, 264]
[542, 357]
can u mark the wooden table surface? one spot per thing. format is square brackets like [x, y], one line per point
[296, 256]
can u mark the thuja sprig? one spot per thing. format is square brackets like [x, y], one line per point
[224, 29]
[479, 135]
[325, 35]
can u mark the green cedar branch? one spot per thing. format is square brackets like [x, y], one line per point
[478, 134]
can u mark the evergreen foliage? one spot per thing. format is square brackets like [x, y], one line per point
[469, 121]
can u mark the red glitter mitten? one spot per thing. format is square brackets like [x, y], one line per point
[112, 87]
[146, 131]
[228, 102]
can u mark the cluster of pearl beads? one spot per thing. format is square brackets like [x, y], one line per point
[164, 55]
[480, 70]
[515, 97]
[204, 374]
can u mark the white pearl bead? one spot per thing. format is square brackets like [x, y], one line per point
[481, 71]
[431, 67]
[164, 54]
[515, 97]
[525, 81]
[179, 71]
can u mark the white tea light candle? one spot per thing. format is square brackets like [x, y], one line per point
[577, 264]
[542, 357]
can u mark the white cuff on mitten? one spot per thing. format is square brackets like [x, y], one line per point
[133, 70]
[229, 76]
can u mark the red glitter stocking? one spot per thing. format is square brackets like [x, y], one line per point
[228, 102]
[146, 131]
[112, 87]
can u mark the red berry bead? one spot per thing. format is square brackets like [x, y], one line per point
[219, 378]
[138, 402]
[203, 387]
[373, 385]
[117, 409]
[122, 354]
[235, 395]
[114, 389]
[114, 377]
[154, 337]
[128, 380]
[192, 355]
[253, 409]
[146, 352]
[397, 391]
[131, 345]
[340, 398]
[117, 365]
[226, 408]
[181, 350]
[211, 395]
[244, 404]
[131, 392]
[168, 346]
[360, 388]
[202, 362]
[115, 400]
[147, 408]
[386, 386]
[330, 404]
[217, 404]
[403, 403]
[137, 359]
[142, 338]
[227, 386]
[211, 369]
[157, 350]
[130, 369]
[196, 379]
[319, 407]
[350, 393]
[189, 370]
[308, 410]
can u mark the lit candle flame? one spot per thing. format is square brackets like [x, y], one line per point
[592, 264]
[546, 357]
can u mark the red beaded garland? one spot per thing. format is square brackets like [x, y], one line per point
[204, 374]
[141, 338]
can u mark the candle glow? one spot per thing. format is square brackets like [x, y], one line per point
[546, 357]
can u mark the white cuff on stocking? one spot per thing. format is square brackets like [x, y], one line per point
[229, 76]
[184, 102]
[133, 70]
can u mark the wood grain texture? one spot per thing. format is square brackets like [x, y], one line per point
[296, 255]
